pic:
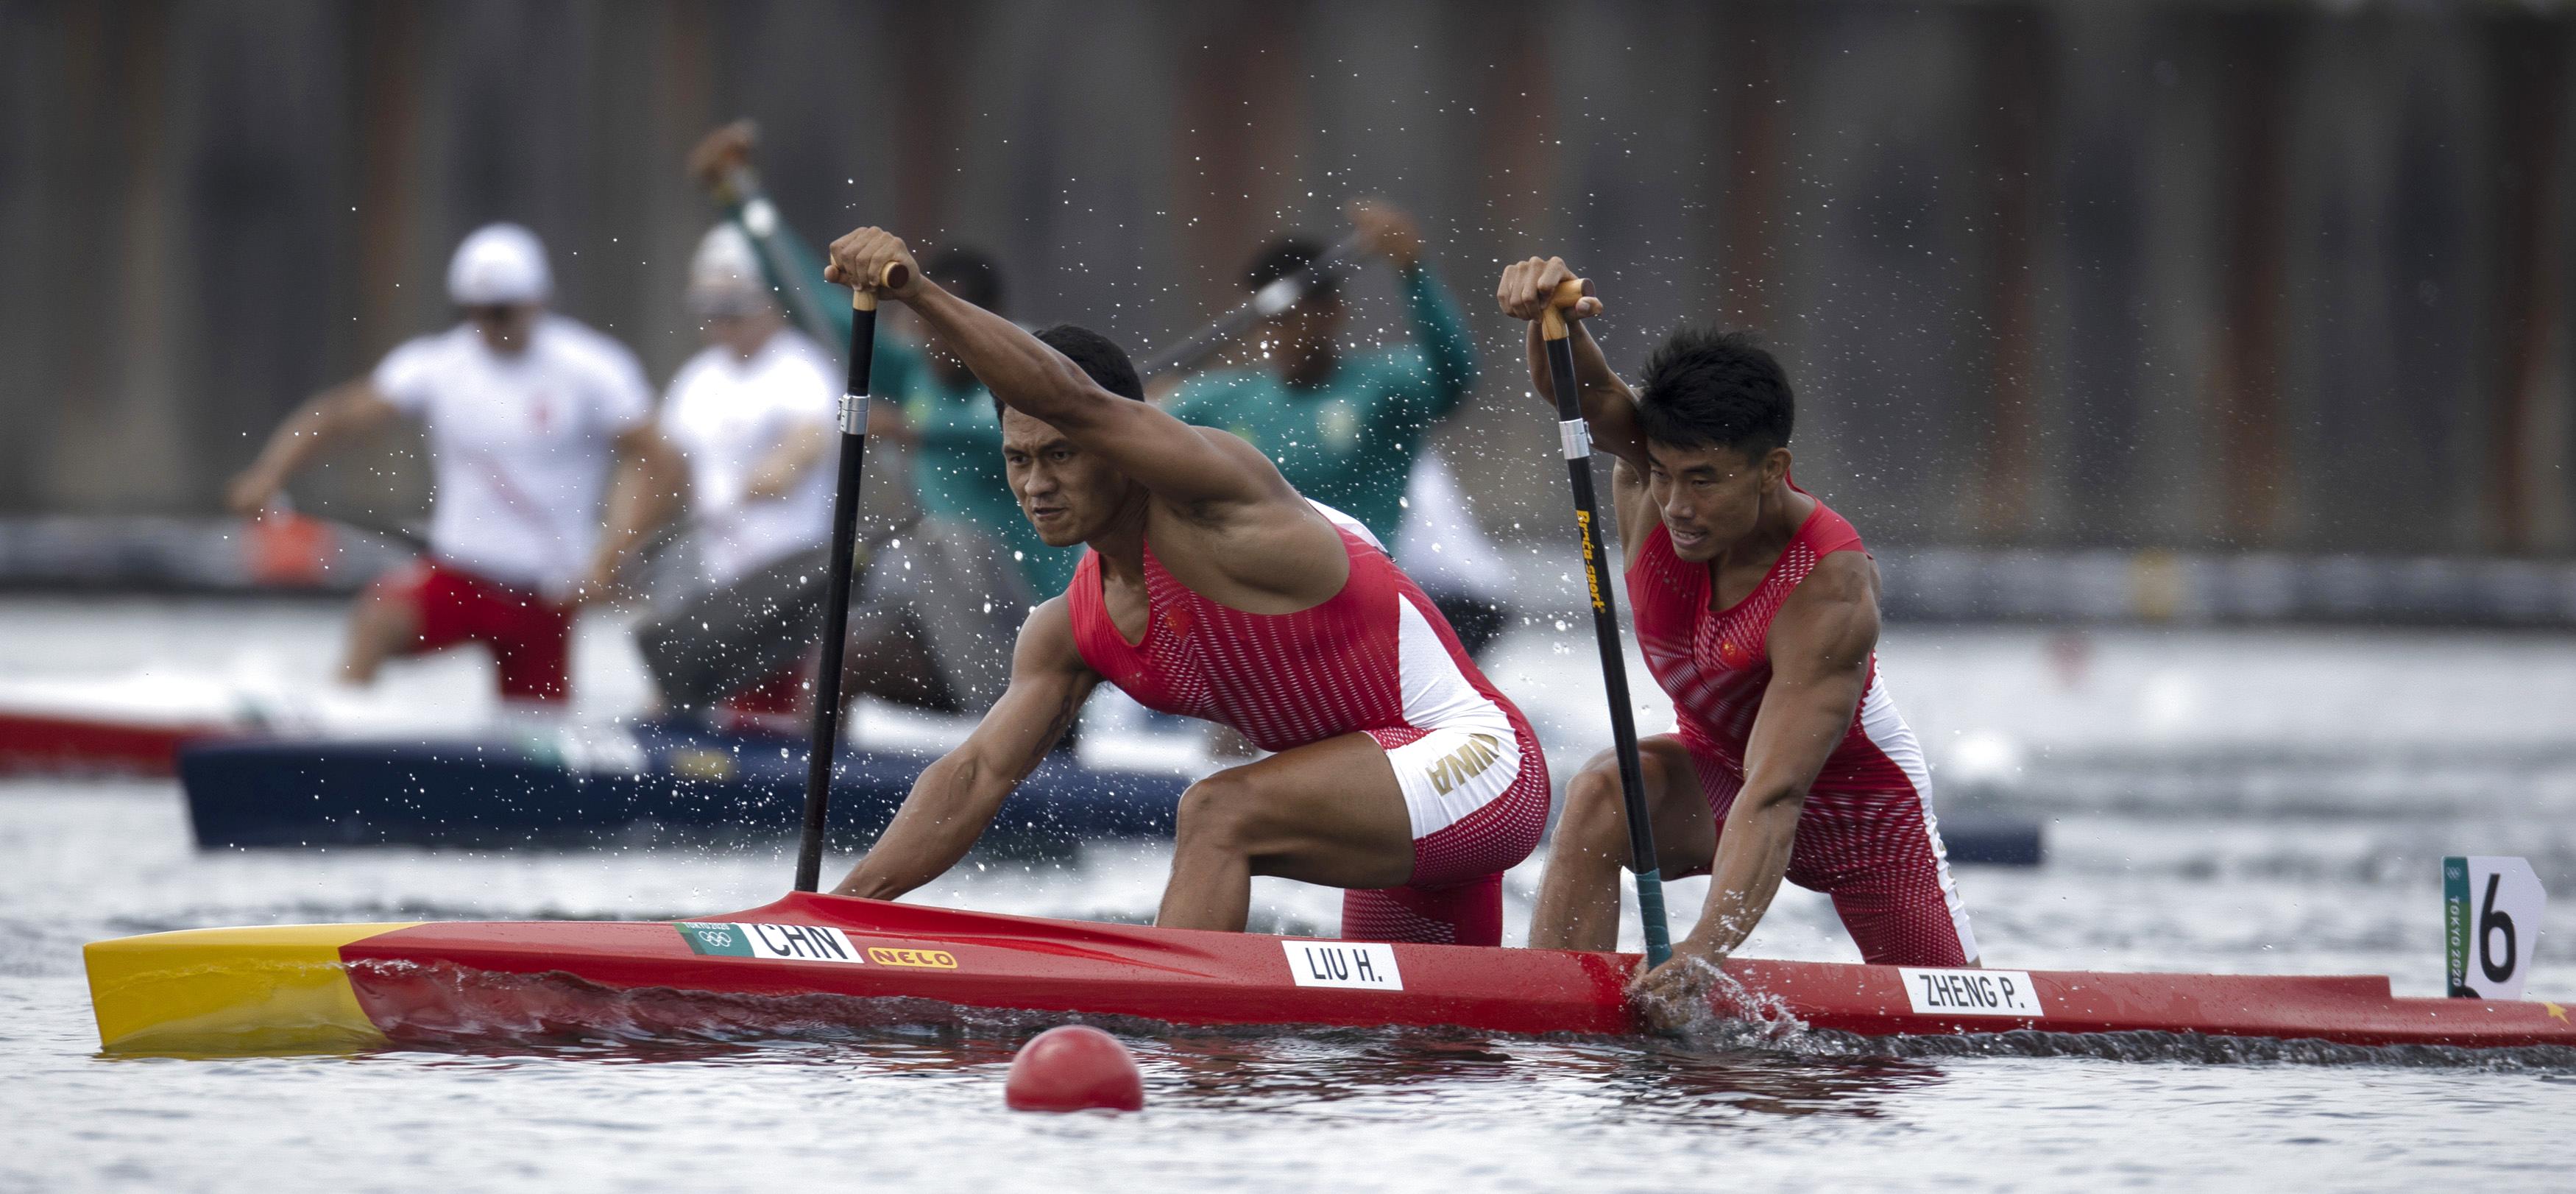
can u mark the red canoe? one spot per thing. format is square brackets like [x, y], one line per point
[810, 959]
[52, 744]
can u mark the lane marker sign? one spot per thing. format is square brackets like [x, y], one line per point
[2491, 908]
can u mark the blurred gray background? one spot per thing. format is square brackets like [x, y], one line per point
[2193, 275]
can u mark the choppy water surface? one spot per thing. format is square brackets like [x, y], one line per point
[2133, 883]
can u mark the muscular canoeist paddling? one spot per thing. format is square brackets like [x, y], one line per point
[1757, 610]
[1213, 589]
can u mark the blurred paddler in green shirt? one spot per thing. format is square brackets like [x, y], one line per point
[1343, 426]
[942, 597]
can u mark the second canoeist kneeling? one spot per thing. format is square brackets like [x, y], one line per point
[1757, 610]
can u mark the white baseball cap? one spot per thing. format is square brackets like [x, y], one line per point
[499, 263]
[725, 275]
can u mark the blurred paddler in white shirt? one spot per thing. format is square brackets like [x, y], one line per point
[752, 414]
[546, 468]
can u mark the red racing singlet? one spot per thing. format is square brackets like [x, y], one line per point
[1716, 664]
[1375, 656]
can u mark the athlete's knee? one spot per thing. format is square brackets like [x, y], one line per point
[1218, 812]
[376, 604]
[1596, 810]
[387, 617]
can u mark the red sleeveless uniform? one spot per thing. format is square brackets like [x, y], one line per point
[1376, 658]
[1867, 836]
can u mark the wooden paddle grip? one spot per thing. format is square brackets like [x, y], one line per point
[1551, 322]
[895, 276]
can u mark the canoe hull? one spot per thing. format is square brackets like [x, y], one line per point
[39, 743]
[862, 961]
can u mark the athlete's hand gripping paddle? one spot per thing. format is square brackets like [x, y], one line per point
[1577, 438]
[836, 599]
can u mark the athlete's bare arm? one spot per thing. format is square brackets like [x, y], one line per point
[344, 412]
[1632, 510]
[643, 492]
[778, 470]
[1245, 526]
[1820, 646]
[956, 798]
[1166, 455]
[1609, 406]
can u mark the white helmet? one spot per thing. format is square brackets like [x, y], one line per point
[499, 263]
[725, 275]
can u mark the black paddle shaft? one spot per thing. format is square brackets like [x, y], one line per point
[1577, 437]
[836, 598]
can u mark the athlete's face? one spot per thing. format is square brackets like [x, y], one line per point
[504, 326]
[1069, 495]
[743, 331]
[1711, 497]
[1299, 340]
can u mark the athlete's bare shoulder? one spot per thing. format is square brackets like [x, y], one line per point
[1832, 616]
[1839, 578]
[1264, 484]
[1270, 552]
[1046, 642]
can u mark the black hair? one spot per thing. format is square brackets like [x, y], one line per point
[1098, 355]
[1706, 388]
[968, 273]
[1286, 256]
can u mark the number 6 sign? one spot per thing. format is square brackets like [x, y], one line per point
[2491, 922]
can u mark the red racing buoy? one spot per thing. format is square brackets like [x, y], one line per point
[1074, 1068]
